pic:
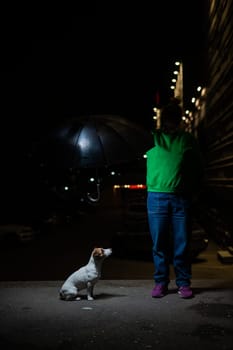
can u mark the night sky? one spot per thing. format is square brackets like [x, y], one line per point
[96, 60]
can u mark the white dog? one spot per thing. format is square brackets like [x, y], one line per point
[86, 277]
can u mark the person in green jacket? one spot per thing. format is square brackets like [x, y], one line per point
[174, 174]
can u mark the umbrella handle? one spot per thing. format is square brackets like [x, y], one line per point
[97, 197]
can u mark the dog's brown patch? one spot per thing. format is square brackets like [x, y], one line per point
[98, 252]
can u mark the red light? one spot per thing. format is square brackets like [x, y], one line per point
[137, 187]
[132, 186]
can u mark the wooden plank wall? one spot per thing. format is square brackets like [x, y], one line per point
[215, 129]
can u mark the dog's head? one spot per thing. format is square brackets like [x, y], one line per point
[101, 253]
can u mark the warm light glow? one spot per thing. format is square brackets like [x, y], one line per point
[203, 92]
[197, 103]
[131, 186]
[178, 90]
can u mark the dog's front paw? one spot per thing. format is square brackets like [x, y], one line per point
[90, 298]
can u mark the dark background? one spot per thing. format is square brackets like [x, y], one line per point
[92, 59]
[59, 62]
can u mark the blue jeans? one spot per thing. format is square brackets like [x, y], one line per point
[170, 213]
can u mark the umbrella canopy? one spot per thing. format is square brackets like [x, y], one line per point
[97, 141]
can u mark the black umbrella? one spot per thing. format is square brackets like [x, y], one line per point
[96, 141]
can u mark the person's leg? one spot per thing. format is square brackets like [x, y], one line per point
[158, 219]
[182, 230]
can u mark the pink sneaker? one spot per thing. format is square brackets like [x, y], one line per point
[185, 292]
[159, 291]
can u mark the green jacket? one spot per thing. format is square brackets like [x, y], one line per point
[174, 164]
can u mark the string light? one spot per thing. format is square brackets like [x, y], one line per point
[177, 88]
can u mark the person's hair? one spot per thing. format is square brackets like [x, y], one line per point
[171, 114]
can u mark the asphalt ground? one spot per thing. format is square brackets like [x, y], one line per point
[123, 314]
